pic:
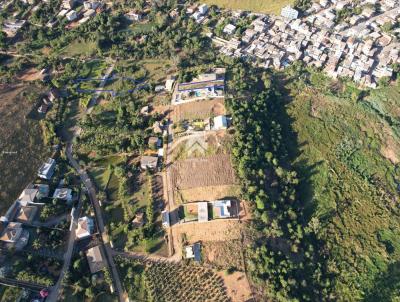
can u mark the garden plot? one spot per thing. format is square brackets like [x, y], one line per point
[201, 172]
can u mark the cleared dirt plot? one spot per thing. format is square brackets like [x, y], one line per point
[208, 193]
[198, 110]
[200, 172]
[223, 254]
[216, 230]
[237, 286]
[200, 145]
[31, 74]
[21, 146]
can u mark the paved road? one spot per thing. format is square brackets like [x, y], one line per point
[55, 290]
[93, 196]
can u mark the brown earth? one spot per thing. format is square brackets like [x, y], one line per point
[199, 110]
[193, 110]
[31, 74]
[200, 172]
[208, 193]
[237, 286]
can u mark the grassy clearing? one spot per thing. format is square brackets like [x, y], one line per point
[141, 28]
[79, 47]
[101, 177]
[349, 152]
[265, 6]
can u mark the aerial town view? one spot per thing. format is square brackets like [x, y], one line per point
[209, 151]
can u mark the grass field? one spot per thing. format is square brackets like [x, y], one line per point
[79, 47]
[259, 6]
[22, 149]
[349, 154]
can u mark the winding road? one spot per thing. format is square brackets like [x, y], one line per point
[91, 191]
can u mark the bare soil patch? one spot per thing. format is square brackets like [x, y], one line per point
[223, 254]
[198, 110]
[200, 172]
[31, 74]
[237, 286]
[216, 230]
[208, 193]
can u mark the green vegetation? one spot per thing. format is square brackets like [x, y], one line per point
[79, 48]
[351, 145]
[170, 282]
[284, 259]
[31, 268]
[80, 284]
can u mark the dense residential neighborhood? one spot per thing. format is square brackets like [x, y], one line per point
[186, 151]
[360, 48]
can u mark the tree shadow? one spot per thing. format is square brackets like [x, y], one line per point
[386, 285]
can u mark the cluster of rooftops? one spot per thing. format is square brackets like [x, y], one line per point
[358, 49]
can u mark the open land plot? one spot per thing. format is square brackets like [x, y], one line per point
[208, 193]
[198, 110]
[201, 144]
[237, 286]
[79, 47]
[215, 230]
[266, 6]
[223, 254]
[343, 141]
[22, 149]
[200, 172]
[31, 74]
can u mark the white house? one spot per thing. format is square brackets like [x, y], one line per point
[229, 29]
[47, 169]
[203, 9]
[71, 16]
[85, 227]
[63, 193]
[220, 122]
[289, 13]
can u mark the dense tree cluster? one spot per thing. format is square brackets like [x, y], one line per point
[285, 259]
[115, 131]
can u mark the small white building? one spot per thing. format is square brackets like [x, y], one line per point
[165, 219]
[133, 16]
[46, 171]
[169, 84]
[289, 13]
[203, 9]
[220, 122]
[63, 193]
[229, 29]
[71, 16]
[202, 211]
[85, 227]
